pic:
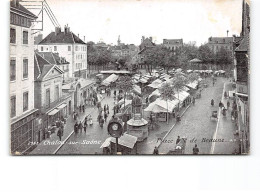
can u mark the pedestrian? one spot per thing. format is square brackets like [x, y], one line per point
[178, 140]
[62, 128]
[59, 133]
[76, 127]
[228, 104]
[83, 108]
[114, 93]
[101, 122]
[90, 120]
[195, 150]
[220, 105]
[74, 116]
[80, 108]
[155, 151]
[193, 101]
[212, 102]
[85, 125]
[80, 126]
[225, 94]
[107, 109]
[105, 116]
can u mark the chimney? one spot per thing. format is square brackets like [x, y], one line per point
[84, 38]
[227, 33]
[57, 30]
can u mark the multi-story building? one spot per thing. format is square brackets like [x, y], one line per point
[216, 43]
[70, 46]
[173, 44]
[241, 75]
[22, 112]
[49, 99]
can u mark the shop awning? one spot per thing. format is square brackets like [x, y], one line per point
[110, 79]
[62, 106]
[193, 84]
[53, 112]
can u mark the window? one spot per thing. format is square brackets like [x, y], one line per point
[25, 101]
[76, 48]
[12, 35]
[41, 48]
[48, 99]
[69, 48]
[25, 68]
[25, 37]
[13, 106]
[12, 69]
[55, 48]
[56, 92]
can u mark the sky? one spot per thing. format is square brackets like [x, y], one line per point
[105, 20]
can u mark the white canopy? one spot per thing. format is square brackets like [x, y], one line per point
[193, 84]
[160, 105]
[156, 83]
[182, 96]
[110, 79]
[137, 89]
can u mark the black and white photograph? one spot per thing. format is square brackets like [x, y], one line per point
[129, 77]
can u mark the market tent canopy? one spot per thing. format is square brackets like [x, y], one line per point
[155, 84]
[182, 95]
[193, 84]
[137, 89]
[195, 60]
[110, 79]
[161, 105]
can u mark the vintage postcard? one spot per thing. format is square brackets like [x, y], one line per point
[133, 77]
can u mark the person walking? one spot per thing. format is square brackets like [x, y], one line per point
[155, 151]
[195, 150]
[90, 120]
[212, 102]
[105, 116]
[83, 108]
[85, 125]
[80, 126]
[228, 104]
[193, 101]
[59, 133]
[101, 122]
[76, 127]
[220, 105]
[107, 109]
[178, 140]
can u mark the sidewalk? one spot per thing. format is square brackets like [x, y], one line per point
[51, 145]
[225, 130]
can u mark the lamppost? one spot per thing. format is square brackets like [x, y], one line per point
[115, 129]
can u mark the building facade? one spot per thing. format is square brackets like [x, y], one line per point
[70, 46]
[173, 44]
[22, 110]
[49, 99]
[216, 43]
[242, 77]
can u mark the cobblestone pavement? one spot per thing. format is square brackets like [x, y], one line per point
[89, 142]
[196, 124]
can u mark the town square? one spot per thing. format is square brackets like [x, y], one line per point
[74, 95]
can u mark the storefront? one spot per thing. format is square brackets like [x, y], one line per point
[22, 131]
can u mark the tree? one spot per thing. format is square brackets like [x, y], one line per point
[223, 57]
[167, 93]
[192, 77]
[154, 56]
[125, 84]
[206, 55]
[179, 81]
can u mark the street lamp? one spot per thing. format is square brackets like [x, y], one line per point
[115, 129]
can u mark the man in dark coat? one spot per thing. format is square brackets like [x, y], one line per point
[178, 140]
[76, 127]
[195, 150]
[80, 126]
[155, 151]
[59, 133]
